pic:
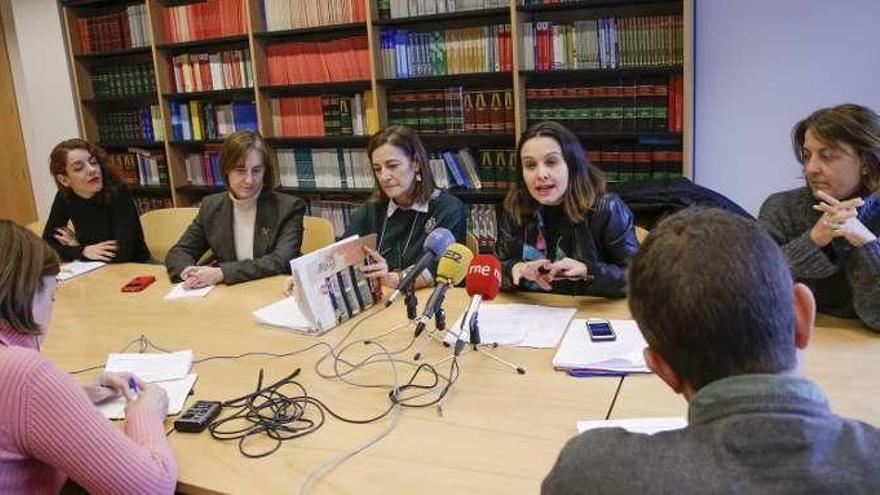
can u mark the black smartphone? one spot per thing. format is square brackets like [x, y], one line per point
[600, 330]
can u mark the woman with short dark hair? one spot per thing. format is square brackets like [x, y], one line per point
[252, 230]
[106, 225]
[828, 229]
[560, 231]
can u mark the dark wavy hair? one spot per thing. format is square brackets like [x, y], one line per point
[854, 125]
[404, 138]
[586, 184]
[112, 185]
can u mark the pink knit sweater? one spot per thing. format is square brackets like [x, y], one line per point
[49, 430]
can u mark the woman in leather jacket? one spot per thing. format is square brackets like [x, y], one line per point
[560, 231]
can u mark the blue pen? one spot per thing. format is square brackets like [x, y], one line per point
[583, 373]
[133, 385]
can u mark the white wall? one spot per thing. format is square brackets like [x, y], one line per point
[762, 65]
[35, 41]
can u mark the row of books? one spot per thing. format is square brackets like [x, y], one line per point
[281, 15]
[483, 225]
[407, 54]
[341, 59]
[196, 120]
[396, 9]
[651, 104]
[452, 169]
[145, 204]
[140, 167]
[623, 163]
[337, 212]
[144, 124]
[124, 80]
[121, 30]
[453, 110]
[203, 169]
[325, 115]
[203, 20]
[228, 69]
[310, 168]
[607, 43]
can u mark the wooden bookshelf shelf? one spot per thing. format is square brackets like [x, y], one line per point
[101, 56]
[346, 87]
[323, 192]
[199, 190]
[319, 141]
[449, 19]
[588, 4]
[476, 80]
[237, 94]
[130, 100]
[121, 145]
[238, 41]
[471, 140]
[582, 76]
[313, 33]
[155, 191]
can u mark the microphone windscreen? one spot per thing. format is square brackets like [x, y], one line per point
[484, 277]
[453, 265]
[438, 240]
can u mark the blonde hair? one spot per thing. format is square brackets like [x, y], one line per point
[26, 261]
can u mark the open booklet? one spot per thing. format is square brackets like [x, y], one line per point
[625, 354]
[329, 288]
[167, 370]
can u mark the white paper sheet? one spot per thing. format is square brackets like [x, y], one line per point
[152, 367]
[649, 426]
[285, 314]
[577, 351]
[178, 292]
[522, 325]
[177, 390]
[77, 268]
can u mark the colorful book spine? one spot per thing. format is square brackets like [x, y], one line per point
[282, 15]
[120, 30]
[324, 115]
[204, 20]
[337, 60]
[453, 110]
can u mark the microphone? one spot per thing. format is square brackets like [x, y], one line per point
[482, 283]
[435, 244]
[451, 269]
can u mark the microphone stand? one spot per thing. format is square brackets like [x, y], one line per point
[412, 304]
[476, 345]
[439, 327]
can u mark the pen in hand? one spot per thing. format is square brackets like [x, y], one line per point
[133, 386]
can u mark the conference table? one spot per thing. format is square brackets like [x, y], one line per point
[496, 431]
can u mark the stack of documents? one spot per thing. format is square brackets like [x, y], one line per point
[77, 268]
[169, 371]
[522, 325]
[623, 355]
[284, 314]
[639, 425]
[178, 292]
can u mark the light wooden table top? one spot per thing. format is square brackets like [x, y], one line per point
[499, 432]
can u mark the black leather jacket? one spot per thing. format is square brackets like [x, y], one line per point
[605, 241]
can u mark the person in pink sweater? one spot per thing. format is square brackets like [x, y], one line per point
[49, 427]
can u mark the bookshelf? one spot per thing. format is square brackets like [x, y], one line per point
[358, 43]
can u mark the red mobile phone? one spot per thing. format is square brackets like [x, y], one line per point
[138, 284]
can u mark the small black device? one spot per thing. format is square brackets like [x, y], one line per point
[198, 416]
[600, 330]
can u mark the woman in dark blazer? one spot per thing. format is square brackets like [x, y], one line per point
[252, 230]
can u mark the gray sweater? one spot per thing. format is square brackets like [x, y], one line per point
[844, 279]
[767, 434]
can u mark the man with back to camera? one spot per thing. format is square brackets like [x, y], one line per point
[724, 320]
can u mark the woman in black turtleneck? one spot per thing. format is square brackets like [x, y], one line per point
[560, 231]
[105, 219]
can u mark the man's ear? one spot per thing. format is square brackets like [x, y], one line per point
[63, 180]
[804, 315]
[661, 368]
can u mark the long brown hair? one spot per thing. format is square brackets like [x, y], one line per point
[26, 260]
[404, 138]
[586, 184]
[855, 125]
[111, 184]
[234, 151]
